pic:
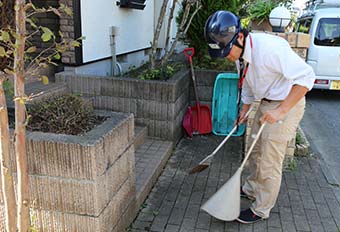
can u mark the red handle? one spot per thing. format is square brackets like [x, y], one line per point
[189, 53]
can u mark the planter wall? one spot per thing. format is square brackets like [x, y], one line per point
[83, 183]
[205, 80]
[160, 105]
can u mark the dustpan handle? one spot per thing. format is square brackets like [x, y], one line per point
[189, 53]
[252, 145]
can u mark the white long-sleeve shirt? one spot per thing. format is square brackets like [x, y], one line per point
[273, 69]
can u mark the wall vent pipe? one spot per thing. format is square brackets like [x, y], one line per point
[114, 32]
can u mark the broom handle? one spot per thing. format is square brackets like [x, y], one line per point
[252, 145]
[226, 138]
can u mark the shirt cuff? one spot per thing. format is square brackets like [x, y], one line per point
[306, 83]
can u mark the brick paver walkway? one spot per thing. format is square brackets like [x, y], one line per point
[306, 201]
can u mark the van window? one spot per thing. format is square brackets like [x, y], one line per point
[328, 32]
[304, 25]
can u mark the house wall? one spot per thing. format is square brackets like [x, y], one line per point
[135, 28]
[134, 31]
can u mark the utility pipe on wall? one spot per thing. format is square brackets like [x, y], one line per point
[114, 32]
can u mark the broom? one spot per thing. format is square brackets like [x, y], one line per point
[207, 160]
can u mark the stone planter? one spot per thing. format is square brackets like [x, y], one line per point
[83, 183]
[205, 80]
[160, 105]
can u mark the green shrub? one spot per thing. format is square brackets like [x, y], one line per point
[207, 62]
[195, 34]
[159, 73]
[259, 10]
[299, 139]
[65, 114]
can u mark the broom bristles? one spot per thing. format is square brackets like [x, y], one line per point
[198, 168]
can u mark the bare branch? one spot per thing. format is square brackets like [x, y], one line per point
[185, 23]
[157, 32]
[172, 10]
[199, 6]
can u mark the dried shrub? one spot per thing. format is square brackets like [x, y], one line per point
[65, 114]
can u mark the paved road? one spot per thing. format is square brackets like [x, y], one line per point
[321, 125]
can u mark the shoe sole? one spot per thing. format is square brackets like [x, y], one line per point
[245, 222]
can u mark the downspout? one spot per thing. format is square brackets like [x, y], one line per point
[114, 63]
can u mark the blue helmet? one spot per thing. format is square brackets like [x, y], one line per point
[221, 31]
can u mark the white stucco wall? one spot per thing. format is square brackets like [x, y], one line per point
[135, 28]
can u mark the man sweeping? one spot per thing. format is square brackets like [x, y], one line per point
[272, 73]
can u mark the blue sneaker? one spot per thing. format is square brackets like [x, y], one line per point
[247, 217]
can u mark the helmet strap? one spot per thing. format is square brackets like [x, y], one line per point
[237, 44]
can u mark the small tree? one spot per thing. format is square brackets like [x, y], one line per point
[181, 31]
[16, 45]
[195, 34]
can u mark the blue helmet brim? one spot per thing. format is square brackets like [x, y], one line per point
[223, 52]
[219, 53]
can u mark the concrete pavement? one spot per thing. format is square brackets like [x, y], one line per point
[307, 202]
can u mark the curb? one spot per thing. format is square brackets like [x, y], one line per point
[305, 149]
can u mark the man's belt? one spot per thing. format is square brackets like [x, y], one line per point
[269, 100]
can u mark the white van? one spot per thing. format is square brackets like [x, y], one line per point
[323, 25]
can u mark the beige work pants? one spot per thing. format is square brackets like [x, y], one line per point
[265, 162]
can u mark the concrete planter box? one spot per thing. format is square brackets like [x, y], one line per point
[205, 80]
[83, 183]
[160, 105]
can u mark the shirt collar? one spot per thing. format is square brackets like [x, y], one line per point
[247, 54]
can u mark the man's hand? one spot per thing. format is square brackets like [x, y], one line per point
[273, 116]
[241, 118]
[295, 94]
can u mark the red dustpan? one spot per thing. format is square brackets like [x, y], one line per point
[187, 122]
[201, 114]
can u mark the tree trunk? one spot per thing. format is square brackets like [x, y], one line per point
[171, 16]
[6, 172]
[20, 111]
[156, 34]
[182, 30]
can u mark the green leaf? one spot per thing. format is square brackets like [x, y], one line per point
[57, 56]
[5, 36]
[47, 35]
[2, 52]
[31, 49]
[68, 11]
[75, 44]
[30, 21]
[44, 79]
